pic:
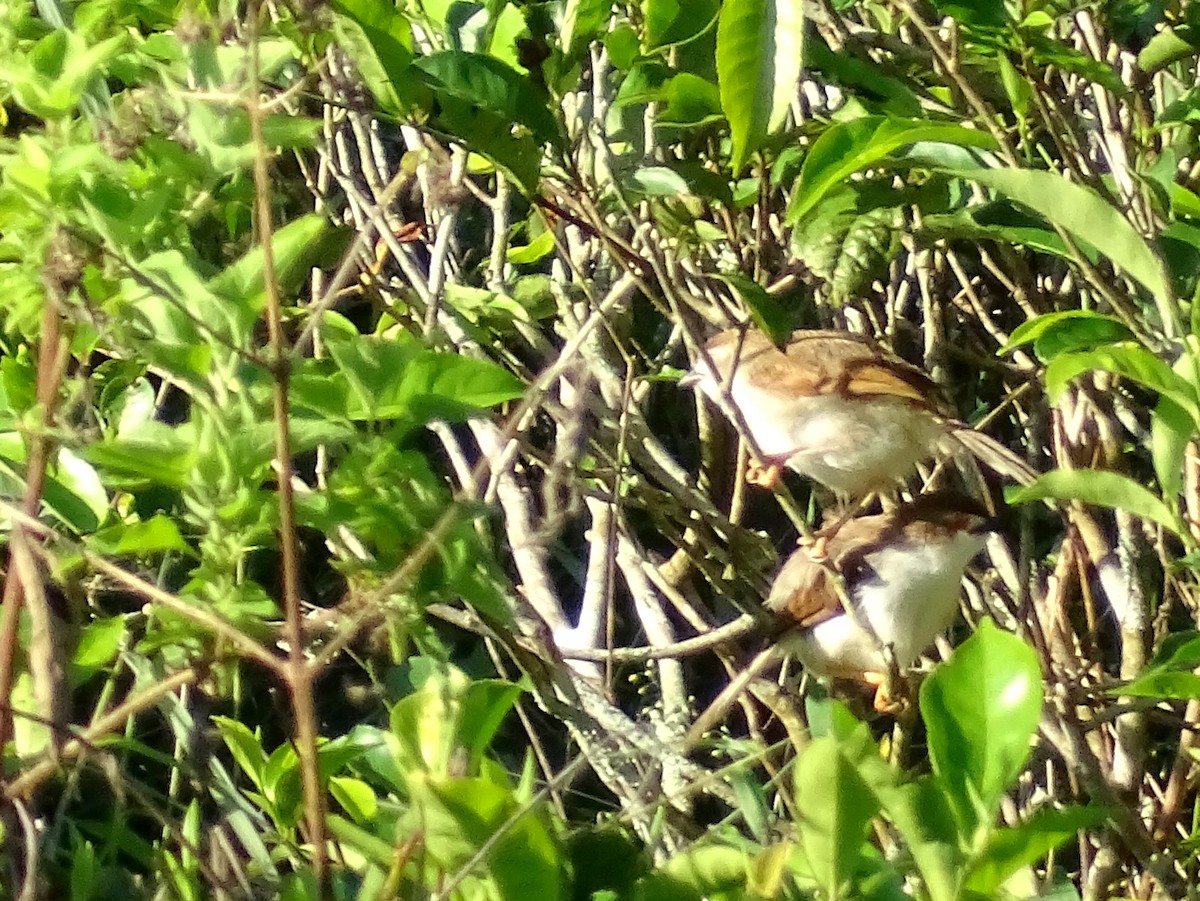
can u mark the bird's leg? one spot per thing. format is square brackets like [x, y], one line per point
[890, 698]
[815, 545]
[763, 476]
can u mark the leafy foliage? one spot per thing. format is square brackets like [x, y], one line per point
[352, 512]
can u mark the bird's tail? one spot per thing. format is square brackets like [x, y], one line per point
[995, 456]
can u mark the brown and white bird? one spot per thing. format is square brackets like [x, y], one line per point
[902, 573]
[838, 409]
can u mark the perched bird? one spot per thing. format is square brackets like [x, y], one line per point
[901, 573]
[838, 409]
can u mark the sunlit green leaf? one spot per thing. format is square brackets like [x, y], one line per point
[1167, 685]
[1171, 428]
[848, 147]
[676, 21]
[356, 797]
[153, 536]
[246, 748]
[835, 806]
[99, 643]
[981, 708]
[1130, 360]
[768, 314]
[1101, 488]
[393, 379]
[1018, 846]
[1066, 330]
[1085, 215]
[759, 57]
[460, 815]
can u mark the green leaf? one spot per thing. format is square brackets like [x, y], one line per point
[156, 535]
[1084, 214]
[692, 101]
[99, 643]
[847, 147]
[402, 379]
[1100, 488]
[489, 84]
[768, 314]
[73, 491]
[893, 95]
[1163, 49]
[379, 40]
[486, 704]
[1068, 330]
[1016, 86]
[380, 852]
[923, 814]
[427, 721]
[1169, 686]
[1179, 650]
[541, 246]
[292, 247]
[246, 748]
[460, 815]
[356, 797]
[622, 46]
[1008, 850]
[759, 57]
[658, 181]
[835, 807]
[85, 869]
[981, 708]
[703, 870]
[605, 858]
[671, 22]
[1000, 221]
[583, 21]
[1171, 428]
[1131, 361]
[1184, 202]
[133, 464]
[491, 134]
[976, 13]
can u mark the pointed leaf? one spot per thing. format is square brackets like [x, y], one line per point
[671, 22]
[759, 56]
[1054, 333]
[1168, 686]
[1101, 488]
[847, 147]
[1171, 428]
[835, 807]
[1130, 360]
[487, 83]
[981, 708]
[768, 314]
[1085, 215]
[1010, 849]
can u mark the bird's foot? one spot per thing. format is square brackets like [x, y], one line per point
[816, 546]
[763, 476]
[885, 702]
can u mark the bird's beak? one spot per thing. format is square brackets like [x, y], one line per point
[690, 379]
[996, 523]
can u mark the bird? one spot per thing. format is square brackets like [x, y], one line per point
[838, 409]
[900, 572]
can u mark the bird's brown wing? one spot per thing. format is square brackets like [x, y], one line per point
[816, 363]
[806, 596]
[805, 591]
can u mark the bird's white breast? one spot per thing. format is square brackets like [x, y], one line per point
[851, 445]
[911, 596]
